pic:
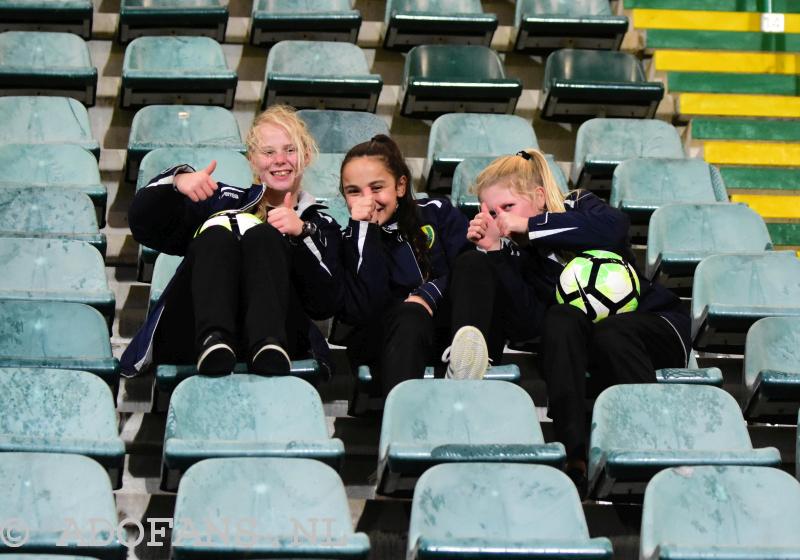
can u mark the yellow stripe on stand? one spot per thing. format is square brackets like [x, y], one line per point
[734, 105]
[771, 206]
[735, 62]
[707, 20]
[775, 154]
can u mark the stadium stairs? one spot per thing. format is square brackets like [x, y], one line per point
[760, 182]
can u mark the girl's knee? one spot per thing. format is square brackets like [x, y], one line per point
[470, 261]
[564, 320]
[262, 234]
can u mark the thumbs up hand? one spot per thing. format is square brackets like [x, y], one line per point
[285, 219]
[483, 230]
[364, 208]
[198, 185]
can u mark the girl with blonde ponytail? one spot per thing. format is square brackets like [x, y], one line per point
[525, 233]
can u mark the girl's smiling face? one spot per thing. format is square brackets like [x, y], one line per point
[275, 160]
[368, 176]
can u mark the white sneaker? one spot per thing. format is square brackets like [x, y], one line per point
[468, 356]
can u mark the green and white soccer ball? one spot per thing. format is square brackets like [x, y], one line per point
[599, 283]
[232, 220]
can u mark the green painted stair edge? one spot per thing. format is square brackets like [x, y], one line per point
[759, 84]
[722, 40]
[761, 6]
[784, 234]
[770, 130]
[762, 178]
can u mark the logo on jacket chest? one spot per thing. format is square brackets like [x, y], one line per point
[430, 234]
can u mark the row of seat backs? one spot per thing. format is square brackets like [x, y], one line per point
[541, 25]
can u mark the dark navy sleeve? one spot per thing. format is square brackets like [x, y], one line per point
[317, 275]
[365, 273]
[588, 223]
[451, 229]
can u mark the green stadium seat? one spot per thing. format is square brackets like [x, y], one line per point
[439, 79]
[368, 397]
[275, 417]
[716, 513]
[232, 169]
[772, 370]
[481, 510]
[65, 502]
[64, 166]
[321, 178]
[46, 63]
[640, 185]
[169, 376]
[602, 144]
[457, 136]
[55, 270]
[293, 508]
[582, 84]
[432, 421]
[208, 18]
[320, 75]
[408, 23]
[180, 126]
[163, 271]
[314, 20]
[467, 171]
[54, 334]
[543, 26]
[681, 235]
[60, 411]
[46, 120]
[338, 131]
[28, 212]
[176, 70]
[66, 16]
[337, 209]
[731, 292]
[638, 430]
[692, 374]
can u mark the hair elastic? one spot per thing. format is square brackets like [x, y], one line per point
[523, 154]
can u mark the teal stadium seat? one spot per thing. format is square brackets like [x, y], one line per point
[581, 84]
[163, 271]
[602, 144]
[543, 26]
[455, 137]
[29, 212]
[60, 411]
[440, 79]
[66, 16]
[47, 63]
[638, 430]
[772, 370]
[719, 513]
[46, 120]
[320, 75]
[731, 292]
[335, 132]
[208, 18]
[65, 502]
[64, 166]
[180, 126]
[482, 510]
[314, 20]
[368, 396]
[232, 169]
[467, 171]
[294, 508]
[408, 23]
[162, 70]
[338, 131]
[54, 334]
[274, 417]
[432, 421]
[640, 185]
[681, 235]
[55, 270]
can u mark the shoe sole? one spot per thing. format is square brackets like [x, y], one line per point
[469, 357]
[218, 359]
[271, 359]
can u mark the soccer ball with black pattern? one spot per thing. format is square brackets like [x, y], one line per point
[599, 283]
